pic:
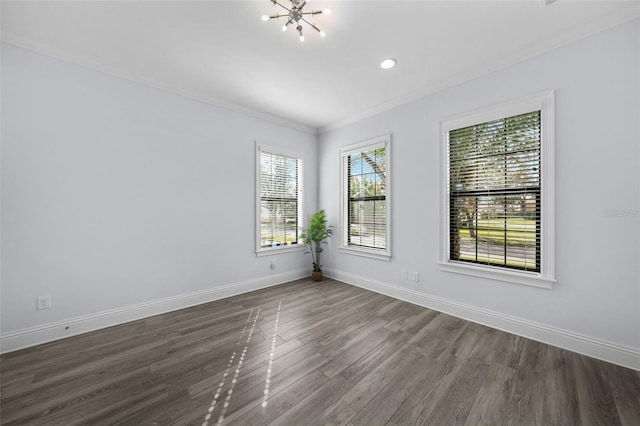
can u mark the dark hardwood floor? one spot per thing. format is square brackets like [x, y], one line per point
[305, 352]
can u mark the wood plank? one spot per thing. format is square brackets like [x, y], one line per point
[595, 399]
[253, 397]
[338, 414]
[560, 403]
[455, 404]
[281, 402]
[373, 358]
[310, 408]
[489, 406]
[625, 389]
[401, 363]
[417, 408]
[391, 396]
[352, 351]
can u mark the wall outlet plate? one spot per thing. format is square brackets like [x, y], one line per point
[43, 302]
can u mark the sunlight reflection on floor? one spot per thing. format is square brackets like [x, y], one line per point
[236, 374]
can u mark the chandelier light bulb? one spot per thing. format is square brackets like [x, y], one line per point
[265, 17]
[322, 34]
[326, 11]
[284, 27]
[388, 63]
[301, 38]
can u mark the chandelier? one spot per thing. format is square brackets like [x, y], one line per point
[296, 15]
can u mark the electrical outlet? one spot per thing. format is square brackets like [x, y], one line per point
[404, 274]
[272, 265]
[416, 277]
[44, 302]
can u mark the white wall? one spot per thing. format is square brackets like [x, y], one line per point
[597, 93]
[116, 194]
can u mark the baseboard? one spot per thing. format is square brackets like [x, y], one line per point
[595, 348]
[25, 338]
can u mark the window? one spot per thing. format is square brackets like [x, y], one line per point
[279, 189]
[497, 209]
[365, 198]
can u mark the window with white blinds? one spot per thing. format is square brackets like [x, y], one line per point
[494, 192]
[279, 186]
[365, 196]
[497, 208]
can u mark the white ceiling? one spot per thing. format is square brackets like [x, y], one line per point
[221, 52]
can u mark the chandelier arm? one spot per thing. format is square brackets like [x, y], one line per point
[311, 25]
[281, 5]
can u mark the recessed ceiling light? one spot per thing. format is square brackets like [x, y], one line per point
[388, 63]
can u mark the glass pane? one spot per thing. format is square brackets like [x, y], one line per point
[356, 186]
[496, 155]
[496, 230]
[278, 176]
[367, 223]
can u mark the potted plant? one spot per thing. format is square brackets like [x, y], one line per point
[314, 236]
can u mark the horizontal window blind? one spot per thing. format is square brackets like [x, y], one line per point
[494, 192]
[279, 200]
[366, 201]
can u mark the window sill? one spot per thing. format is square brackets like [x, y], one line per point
[524, 278]
[370, 253]
[280, 250]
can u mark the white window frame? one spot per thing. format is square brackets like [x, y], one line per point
[345, 152]
[543, 102]
[264, 251]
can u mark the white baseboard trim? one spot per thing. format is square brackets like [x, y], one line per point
[575, 342]
[32, 336]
